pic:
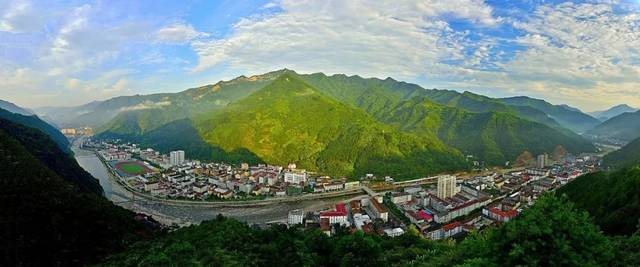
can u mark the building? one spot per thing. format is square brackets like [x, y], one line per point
[446, 186]
[68, 131]
[377, 210]
[394, 232]
[543, 161]
[295, 217]
[295, 177]
[337, 216]
[176, 157]
[500, 215]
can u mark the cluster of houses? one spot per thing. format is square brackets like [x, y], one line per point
[192, 179]
[451, 208]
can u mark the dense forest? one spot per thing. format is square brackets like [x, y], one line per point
[53, 212]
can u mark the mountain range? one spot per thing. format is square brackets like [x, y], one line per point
[612, 112]
[625, 127]
[388, 126]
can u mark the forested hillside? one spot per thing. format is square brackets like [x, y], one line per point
[49, 214]
[552, 233]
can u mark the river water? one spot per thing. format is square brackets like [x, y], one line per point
[180, 215]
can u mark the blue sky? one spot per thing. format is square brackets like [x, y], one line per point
[583, 53]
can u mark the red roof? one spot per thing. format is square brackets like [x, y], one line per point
[424, 215]
[341, 210]
[451, 226]
[504, 214]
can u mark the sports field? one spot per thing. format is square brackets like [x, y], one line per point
[132, 168]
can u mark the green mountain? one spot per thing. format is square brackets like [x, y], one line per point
[291, 121]
[503, 136]
[568, 117]
[625, 126]
[475, 124]
[479, 104]
[495, 137]
[35, 122]
[52, 213]
[613, 199]
[626, 156]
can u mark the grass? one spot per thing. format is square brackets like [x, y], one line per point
[131, 167]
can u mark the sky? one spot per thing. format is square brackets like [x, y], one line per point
[62, 53]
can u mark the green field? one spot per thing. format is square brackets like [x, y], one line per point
[132, 168]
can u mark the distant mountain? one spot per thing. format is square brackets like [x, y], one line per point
[568, 117]
[626, 156]
[612, 112]
[495, 137]
[377, 99]
[35, 122]
[53, 212]
[11, 107]
[612, 199]
[415, 109]
[625, 126]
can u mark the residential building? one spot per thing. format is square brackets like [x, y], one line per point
[295, 176]
[446, 186]
[376, 209]
[176, 157]
[295, 217]
[337, 216]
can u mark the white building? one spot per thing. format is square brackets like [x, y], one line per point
[295, 177]
[176, 157]
[446, 186]
[295, 217]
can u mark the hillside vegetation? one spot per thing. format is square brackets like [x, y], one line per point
[290, 121]
[51, 214]
[34, 122]
[626, 156]
[237, 121]
[551, 233]
[613, 199]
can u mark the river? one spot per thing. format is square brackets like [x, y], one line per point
[181, 215]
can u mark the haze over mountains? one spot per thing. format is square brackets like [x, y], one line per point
[612, 112]
[283, 116]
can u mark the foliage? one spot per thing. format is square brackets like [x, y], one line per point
[289, 124]
[48, 220]
[552, 233]
[626, 156]
[34, 122]
[290, 121]
[613, 199]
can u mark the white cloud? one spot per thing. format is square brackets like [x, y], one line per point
[582, 53]
[178, 33]
[20, 17]
[373, 38]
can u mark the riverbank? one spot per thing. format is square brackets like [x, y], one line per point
[181, 213]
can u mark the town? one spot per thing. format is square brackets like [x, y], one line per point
[438, 207]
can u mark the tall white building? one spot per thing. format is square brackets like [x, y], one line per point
[295, 217]
[446, 186]
[295, 177]
[176, 157]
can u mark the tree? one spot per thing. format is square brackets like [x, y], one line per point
[551, 233]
